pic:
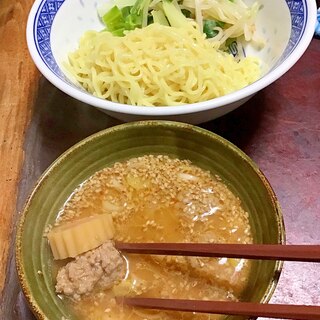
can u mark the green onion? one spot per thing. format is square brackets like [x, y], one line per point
[113, 19]
[126, 11]
[128, 18]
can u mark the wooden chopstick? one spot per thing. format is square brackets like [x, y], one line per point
[228, 308]
[304, 253]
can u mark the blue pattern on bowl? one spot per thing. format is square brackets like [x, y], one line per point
[317, 29]
[299, 17]
[49, 8]
[42, 30]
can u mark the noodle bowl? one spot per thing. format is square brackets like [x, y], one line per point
[69, 22]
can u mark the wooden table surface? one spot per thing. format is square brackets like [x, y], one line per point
[279, 128]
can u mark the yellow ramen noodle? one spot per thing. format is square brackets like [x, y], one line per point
[158, 66]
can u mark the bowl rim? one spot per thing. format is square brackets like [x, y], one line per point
[38, 312]
[294, 56]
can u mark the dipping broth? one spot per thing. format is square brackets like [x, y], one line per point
[159, 199]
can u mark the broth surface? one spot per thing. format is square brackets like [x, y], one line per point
[159, 199]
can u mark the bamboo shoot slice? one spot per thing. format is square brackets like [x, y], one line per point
[82, 235]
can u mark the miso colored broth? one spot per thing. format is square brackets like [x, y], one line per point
[159, 199]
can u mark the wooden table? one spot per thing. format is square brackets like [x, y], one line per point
[279, 128]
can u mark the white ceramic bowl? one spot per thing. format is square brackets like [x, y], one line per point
[55, 27]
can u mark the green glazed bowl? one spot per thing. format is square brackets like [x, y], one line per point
[203, 148]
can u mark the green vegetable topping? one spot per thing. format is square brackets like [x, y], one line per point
[166, 13]
[174, 15]
[128, 18]
[209, 27]
[186, 13]
[159, 17]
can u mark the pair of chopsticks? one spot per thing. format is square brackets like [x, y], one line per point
[303, 253]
